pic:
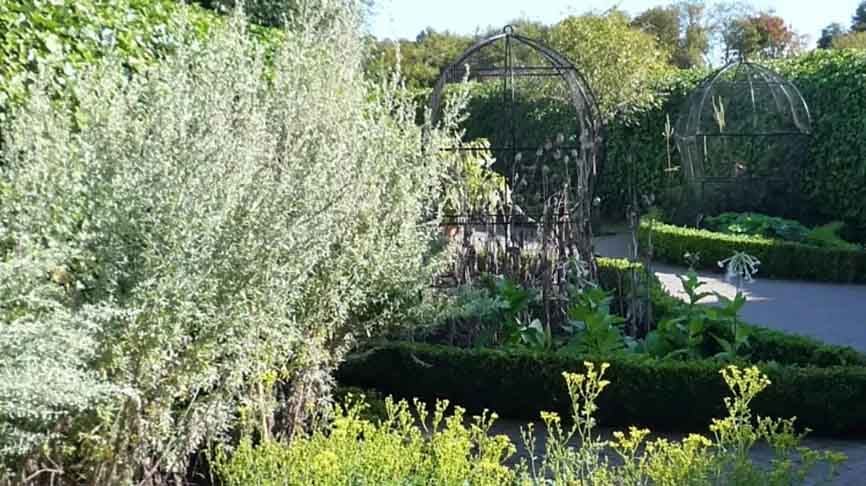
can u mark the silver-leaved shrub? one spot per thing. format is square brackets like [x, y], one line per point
[175, 244]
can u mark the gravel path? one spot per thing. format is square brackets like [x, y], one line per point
[833, 313]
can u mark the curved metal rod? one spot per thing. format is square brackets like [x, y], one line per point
[578, 86]
[694, 121]
[560, 61]
[784, 85]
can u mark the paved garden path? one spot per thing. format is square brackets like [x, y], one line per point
[832, 313]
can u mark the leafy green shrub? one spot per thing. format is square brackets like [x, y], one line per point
[765, 344]
[779, 259]
[827, 236]
[686, 333]
[756, 224]
[197, 233]
[687, 329]
[491, 313]
[66, 36]
[400, 451]
[669, 394]
[591, 326]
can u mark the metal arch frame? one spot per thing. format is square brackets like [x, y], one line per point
[695, 111]
[578, 87]
[561, 225]
[691, 135]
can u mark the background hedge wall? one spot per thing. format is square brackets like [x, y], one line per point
[833, 82]
[668, 395]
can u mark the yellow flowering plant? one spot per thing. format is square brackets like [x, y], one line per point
[413, 445]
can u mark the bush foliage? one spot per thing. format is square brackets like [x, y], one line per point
[175, 243]
[65, 36]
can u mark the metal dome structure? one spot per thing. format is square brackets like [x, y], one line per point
[540, 124]
[522, 74]
[538, 114]
[743, 137]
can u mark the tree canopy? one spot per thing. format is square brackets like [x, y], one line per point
[762, 35]
[679, 28]
[858, 22]
[617, 60]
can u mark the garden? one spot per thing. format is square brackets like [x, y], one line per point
[254, 246]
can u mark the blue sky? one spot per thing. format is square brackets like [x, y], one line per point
[405, 18]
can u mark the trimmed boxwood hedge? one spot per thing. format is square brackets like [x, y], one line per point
[663, 394]
[779, 259]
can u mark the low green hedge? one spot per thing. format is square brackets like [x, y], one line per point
[663, 394]
[779, 259]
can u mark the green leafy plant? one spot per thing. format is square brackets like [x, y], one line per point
[471, 186]
[827, 236]
[686, 332]
[735, 344]
[592, 328]
[493, 312]
[756, 224]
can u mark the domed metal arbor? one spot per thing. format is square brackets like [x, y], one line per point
[541, 121]
[743, 137]
[544, 132]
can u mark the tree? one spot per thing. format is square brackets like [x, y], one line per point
[619, 62]
[663, 23]
[695, 44]
[523, 26]
[858, 22]
[680, 29]
[421, 60]
[762, 35]
[270, 13]
[829, 34]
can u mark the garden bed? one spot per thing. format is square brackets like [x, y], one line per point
[779, 259]
[667, 394]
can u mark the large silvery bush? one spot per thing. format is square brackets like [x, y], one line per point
[173, 245]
